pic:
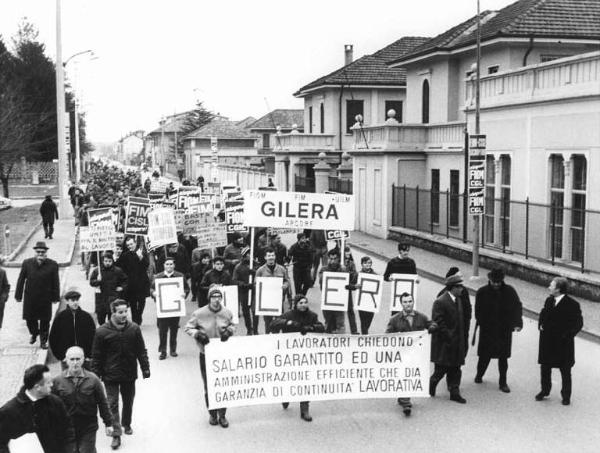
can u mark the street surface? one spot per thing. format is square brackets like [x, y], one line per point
[169, 411]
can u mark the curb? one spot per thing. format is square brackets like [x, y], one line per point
[20, 247]
[529, 313]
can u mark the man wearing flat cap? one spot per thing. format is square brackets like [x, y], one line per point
[38, 287]
[450, 341]
[498, 312]
[72, 327]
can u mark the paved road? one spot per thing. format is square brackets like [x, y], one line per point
[169, 411]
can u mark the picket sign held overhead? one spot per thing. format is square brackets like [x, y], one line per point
[234, 216]
[212, 236]
[316, 211]
[170, 297]
[161, 227]
[402, 283]
[269, 291]
[136, 216]
[370, 292]
[334, 295]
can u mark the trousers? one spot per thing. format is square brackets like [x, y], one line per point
[483, 363]
[48, 229]
[453, 375]
[221, 411]
[85, 435]
[170, 325]
[127, 390]
[302, 279]
[39, 327]
[546, 380]
[137, 304]
[334, 321]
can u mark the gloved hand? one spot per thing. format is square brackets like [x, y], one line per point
[350, 287]
[202, 338]
[145, 374]
[225, 335]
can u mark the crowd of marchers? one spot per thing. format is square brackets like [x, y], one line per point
[100, 354]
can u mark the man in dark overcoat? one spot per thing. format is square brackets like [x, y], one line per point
[134, 262]
[49, 213]
[498, 312]
[449, 342]
[559, 322]
[38, 287]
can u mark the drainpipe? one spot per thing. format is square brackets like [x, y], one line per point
[340, 117]
[529, 49]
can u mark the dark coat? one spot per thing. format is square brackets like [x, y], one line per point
[4, 291]
[72, 328]
[301, 256]
[399, 265]
[48, 211]
[497, 312]
[115, 352]
[136, 269]
[449, 342]
[301, 321]
[198, 271]
[112, 278]
[214, 277]
[241, 278]
[38, 286]
[558, 325]
[399, 323]
[52, 424]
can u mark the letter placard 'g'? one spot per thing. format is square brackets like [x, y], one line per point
[334, 295]
[170, 300]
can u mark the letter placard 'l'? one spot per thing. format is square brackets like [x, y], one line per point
[402, 283]
[269, 293]
[334, 295]
[370, 292]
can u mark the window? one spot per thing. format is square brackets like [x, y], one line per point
[425, 102]
[544, 58]
[353, 108]
[266, 139]
[454, 197]
[493, 69]
[490, 202]
[435, 196]
[557, 201]
[397, 106]
[310, 120]
[578, 207]
[322, 118]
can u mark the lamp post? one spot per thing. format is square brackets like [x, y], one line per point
[63, 175]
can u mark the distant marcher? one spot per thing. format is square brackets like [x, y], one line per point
[408, 320]
[4, 290]
[401, 264]
[216, 276]
[232, 254]
[270, 183]
[38, 287]
[201, 267]
[211, 321]
[366, 317]
[560, 321]
[36, 410]
[112, 282]
[498, 312]
[301, 255]
[299, 319]
[449, 343]
[72, 327]
[118, 346]
[318, 242]
[134, 262]
[49, 213]
[83, 395]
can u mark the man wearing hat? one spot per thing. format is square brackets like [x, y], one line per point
[449, 342]
[498, 312]
[72, 327]
[38, 287]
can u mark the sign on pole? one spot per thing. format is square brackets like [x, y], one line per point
[317, 211]
[332, 235]
[476, 179]
[161, 227]
[212, 236]
[477, 143]
[170, 297]
[234, 216]
[136, 216]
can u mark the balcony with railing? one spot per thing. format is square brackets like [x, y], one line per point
[554, 80]
[302, 143]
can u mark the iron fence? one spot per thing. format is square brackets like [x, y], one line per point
[340, 185]
[302, 184]
[548, 233]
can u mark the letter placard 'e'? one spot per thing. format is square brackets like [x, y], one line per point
[402, 283]
[317, 211]
[370, 292]
[230, 300]
[170, 299]
[334, 295]
[269, 291]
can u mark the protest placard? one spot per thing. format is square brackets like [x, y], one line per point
[179, 213]
[266, 369]
[370, 292]
[191, 221]
[269, 293]
[101, 237]
[212, 236]
[316, 211]
[159, 185]
[136, 216]
[332, 235]
[234, 216]
[402, 283]
[161, 227]
[186, 196]
[334, 295]
[170, 297]
[231, 301]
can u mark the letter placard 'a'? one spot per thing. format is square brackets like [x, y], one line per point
[230, 300]
[334, 295]
[402, 283]
[269, 292]
[370, 292]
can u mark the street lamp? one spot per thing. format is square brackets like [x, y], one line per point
[60, 119]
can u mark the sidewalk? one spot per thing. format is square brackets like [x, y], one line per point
[434, 266]
[16, 354]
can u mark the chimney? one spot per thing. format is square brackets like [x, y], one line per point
[348, 54]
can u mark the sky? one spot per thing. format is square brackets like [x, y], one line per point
[241, 58]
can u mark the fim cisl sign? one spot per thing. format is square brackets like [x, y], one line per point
[317, 211]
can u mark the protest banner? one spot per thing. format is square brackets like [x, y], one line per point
[332, 235]
[159, 185]
[101, 237]
[136, 216]
[269, 293]
[212, 236]
[370, 292]
[234, 217]
[170, 297]
[231, 301]
[316, 211]
[334, 295]
[202, 207]
[99, 215]
[185, 196]
[402, 283]
[266, 369]
[191, 221]
[161, 227]
[179, 213]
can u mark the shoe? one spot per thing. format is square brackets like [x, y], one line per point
[116, 443]
[223, 422]
[407, 411]
[174, 354]
[285, 405]
[127, 430]
[305, 416]
[49, 237]
[478, 380]
[504, 388]
[32, 339]
[162, 356]
[213, 419]
[457, 398]
[432, 386]
[44, 345]
[566, 401]
[540, 396]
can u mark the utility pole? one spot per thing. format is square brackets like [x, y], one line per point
[477, 217]
[63, 175]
